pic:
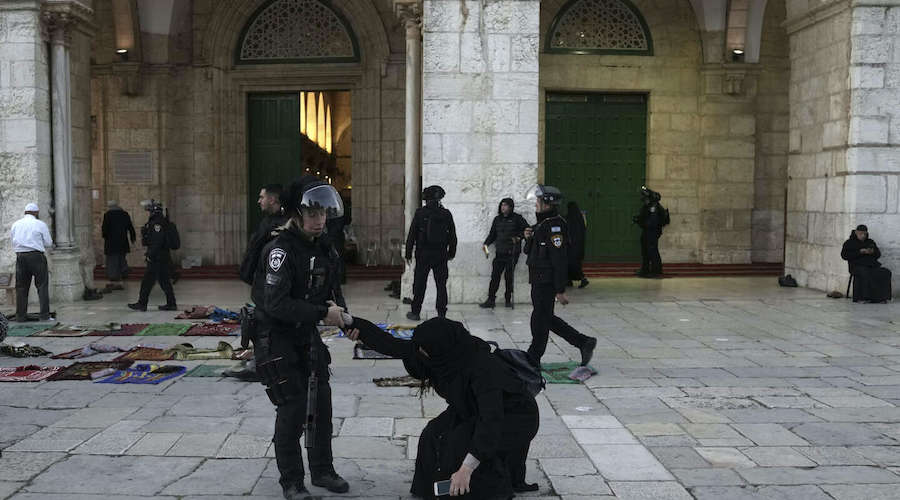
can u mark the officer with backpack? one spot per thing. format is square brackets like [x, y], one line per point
[159, 236]
[547, 244]
[433, 235]
[652, 218]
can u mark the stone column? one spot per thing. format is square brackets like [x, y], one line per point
[411, 16]
[66, 279]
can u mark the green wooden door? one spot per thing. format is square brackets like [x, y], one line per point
[274, 146]
[596, 153]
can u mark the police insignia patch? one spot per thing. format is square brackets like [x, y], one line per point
[276, 258]
[557, 240]
[157, 227]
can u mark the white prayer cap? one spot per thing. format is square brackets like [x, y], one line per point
[31, 207]
[112, 203]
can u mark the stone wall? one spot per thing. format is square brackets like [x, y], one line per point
[671, 78]
[843, 140]
[480, 113]
[25, 162]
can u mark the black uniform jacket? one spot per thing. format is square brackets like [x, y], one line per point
[850, 253]
[650, 217]
[417, 233]
[295, 277]
[156, 236]
[547, 252]
[117, 230]
[506, 234]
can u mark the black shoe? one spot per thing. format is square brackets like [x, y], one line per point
[487, 304]
[413, 316]
[510, 305]
[523, 487]
[584, 283]
[168, 307]
[297, 493]
[407, 300]
[244, 374]
[137, 306]
[587, 351]
[331, 482]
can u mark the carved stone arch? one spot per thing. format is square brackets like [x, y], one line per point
[599, 27]
[228, 20]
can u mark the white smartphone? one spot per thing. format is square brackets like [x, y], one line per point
[442, 488]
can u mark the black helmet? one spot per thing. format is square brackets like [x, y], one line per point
[548, 194]
[650, 194]
[310, 193]
[432, 193]
[152, 206]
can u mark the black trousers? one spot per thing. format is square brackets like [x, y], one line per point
[158, 270]
[289, 420]
[871, 283]
[544, 321]
[505, 265]
[430, 263]
[651, 262]
[32, 265]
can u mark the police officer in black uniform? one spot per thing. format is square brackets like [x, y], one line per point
[506, 236]
[548, 272]
[651, 220]
[158, 236]
[433, 235]
[296, 287]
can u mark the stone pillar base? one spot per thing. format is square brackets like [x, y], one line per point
[66, 284]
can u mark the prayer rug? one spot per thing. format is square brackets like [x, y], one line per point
[188, 352]
[404, 381]
[23, 351]
[360, 352]
[208, 370]
[558, 373]
[197, 312]
[144, 374]
[27, 330]
[126, 330]
[146, 354]
[404, 332]
[213, 330]
[88, 351]
[83, 370]
[164, 329]
[62, 332]
[30, 373]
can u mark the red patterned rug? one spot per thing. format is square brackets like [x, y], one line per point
[212, 330]
[30, 373]
[145, 354]
[83, 371]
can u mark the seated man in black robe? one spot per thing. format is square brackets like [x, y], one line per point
[480, 442]
[871, 282]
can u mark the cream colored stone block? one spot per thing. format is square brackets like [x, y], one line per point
[529, 120]
[742, 125]
[871, 49]
[499, 51]
[834, 134]
[681, 167]
[441, 52]
[684, 122]
[512, 16]
[466, 148]
[866, 77]
[432, 150]
[514, 148]
[866, 194]
[869, 130]
[815, 194]
[450, 16]
[472, 53]
[869, 159]
[496, 116]
[728, 148]
[443, 116]
[515, 86]
[524, 53]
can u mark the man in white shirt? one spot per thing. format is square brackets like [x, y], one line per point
[30, 238]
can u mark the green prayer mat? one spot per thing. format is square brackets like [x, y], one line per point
[165, 329]
[28, 329]
[208, 370]
[558, 373]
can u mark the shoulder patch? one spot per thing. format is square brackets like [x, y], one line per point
[557, 240]
[157, 227]
[277, 257]
[555, 229]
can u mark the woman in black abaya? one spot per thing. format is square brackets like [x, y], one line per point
[871, 282]
[577, 237]
[480, 442]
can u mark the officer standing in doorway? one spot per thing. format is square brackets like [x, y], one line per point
[506, 236]
[651, 219]
[296, 286]
[548, 272]
[158, 236]
[433, 235]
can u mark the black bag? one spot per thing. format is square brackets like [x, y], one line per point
[437, 230]
[248, 325]
[525, 370]
[173, 240]
[665, 216]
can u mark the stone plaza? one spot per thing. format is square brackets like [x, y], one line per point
[707, 388]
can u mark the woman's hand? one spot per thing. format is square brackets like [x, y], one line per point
[459, 481]
[353, 334]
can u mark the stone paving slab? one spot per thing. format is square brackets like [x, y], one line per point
[105, 475]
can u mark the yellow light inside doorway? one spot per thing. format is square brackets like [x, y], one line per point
[303, 113]
[320, 135]
[311, 128]
[328, 128]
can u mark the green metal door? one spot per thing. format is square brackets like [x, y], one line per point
[596, 153]
[274, 146]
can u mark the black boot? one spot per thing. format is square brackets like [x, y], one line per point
[331, 481]
[487, 304]
[137, 306]
[297, 493]
[510, 304]
[584, 283]
[168, 307]
[587, 351]
[413, 316]
[523, 487]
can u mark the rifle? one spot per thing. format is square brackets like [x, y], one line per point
[312, 388]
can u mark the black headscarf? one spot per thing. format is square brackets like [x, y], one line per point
[577, 231]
